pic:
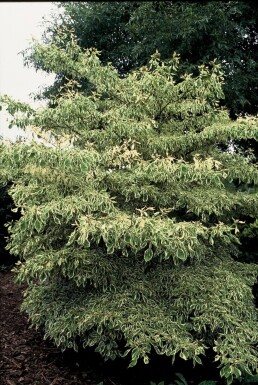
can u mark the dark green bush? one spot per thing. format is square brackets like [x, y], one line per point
[6, 216]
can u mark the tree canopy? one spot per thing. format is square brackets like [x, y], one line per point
[127, 235]
[127, 33]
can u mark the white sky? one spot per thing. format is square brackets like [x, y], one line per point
[19, 22]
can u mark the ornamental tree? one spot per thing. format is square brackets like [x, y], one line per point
[127, 236]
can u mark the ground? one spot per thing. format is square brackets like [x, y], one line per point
[26, 359]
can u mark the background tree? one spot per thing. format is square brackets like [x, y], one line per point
[127, 33]
[127, 235]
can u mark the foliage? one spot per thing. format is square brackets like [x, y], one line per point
[127, 234]
[248, 379]
[182, 381]
[248, 234]
[245, 380]
[6, 216]
[126, 34]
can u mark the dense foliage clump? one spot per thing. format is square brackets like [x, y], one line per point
[6, 216]
[128, 32]
[128, 232]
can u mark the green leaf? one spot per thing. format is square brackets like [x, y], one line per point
[68, 163]
[148, 255]
[42, 162]
[23, 225]
[181, 378]
[183, 356]
[83, 168]
[38, 225]
[181, 254]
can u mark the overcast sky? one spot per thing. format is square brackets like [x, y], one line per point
[19, 22]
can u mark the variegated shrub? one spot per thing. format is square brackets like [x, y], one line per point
[128, 234]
